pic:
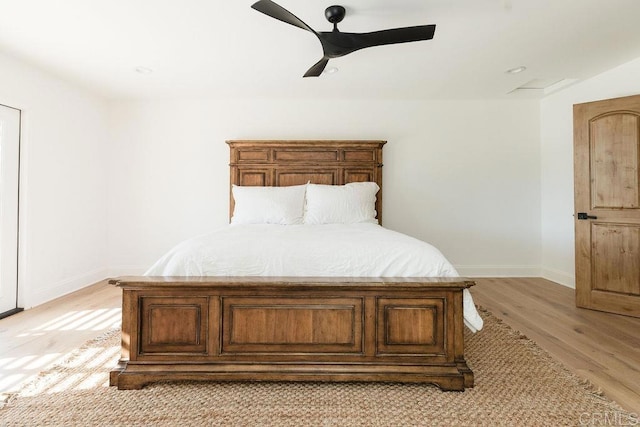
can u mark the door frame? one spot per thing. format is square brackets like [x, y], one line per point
[16, 308]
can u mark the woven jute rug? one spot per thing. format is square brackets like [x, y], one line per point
[517, 384]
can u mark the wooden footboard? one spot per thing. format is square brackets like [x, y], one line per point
[292, 329]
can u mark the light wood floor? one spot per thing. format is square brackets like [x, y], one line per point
[34, 339]
[600, 347]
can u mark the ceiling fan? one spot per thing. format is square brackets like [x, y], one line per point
[336, 43]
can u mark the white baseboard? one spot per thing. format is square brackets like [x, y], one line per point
[559, 277]
[127, 270]
[63, 287]
[31, 298]
[463, 270]
[498, 270]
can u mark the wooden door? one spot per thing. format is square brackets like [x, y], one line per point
[607, 203]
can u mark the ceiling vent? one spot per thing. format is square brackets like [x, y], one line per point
[544, 87]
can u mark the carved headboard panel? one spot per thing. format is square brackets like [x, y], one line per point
[282, 163]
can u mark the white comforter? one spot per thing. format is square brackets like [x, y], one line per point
[353, 250]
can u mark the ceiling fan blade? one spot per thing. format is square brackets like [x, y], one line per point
[278, 12]
[317, 68]
[337, 43]
[396, 35]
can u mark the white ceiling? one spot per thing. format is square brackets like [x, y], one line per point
[215, 48]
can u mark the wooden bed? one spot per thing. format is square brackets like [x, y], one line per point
[294, 328]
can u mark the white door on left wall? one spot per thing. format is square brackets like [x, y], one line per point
[9, 184]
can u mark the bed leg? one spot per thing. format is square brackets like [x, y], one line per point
[467, 373]
[116, 371]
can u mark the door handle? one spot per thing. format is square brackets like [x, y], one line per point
[583, 215]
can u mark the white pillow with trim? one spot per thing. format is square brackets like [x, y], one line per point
[341, 204]
[268, 205]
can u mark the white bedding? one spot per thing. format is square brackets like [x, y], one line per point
[351, 250]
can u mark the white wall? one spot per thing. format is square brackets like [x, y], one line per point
[63, 223]
[463, 175]
[556, 131]
[107, 188]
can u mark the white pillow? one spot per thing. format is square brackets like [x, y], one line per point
[268, 205]
[341, 204]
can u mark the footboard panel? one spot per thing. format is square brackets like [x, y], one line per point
[292, 329]
[291, 325]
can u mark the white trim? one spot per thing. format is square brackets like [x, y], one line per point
[559, 277]
[127, 270]
[498, 270]
[64, 287]
[463, 270]
[23, 208]
[10, 126]
[78, 282]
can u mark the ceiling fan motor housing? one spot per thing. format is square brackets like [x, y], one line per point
[334, 14]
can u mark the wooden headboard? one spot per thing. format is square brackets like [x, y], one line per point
[294, 162]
